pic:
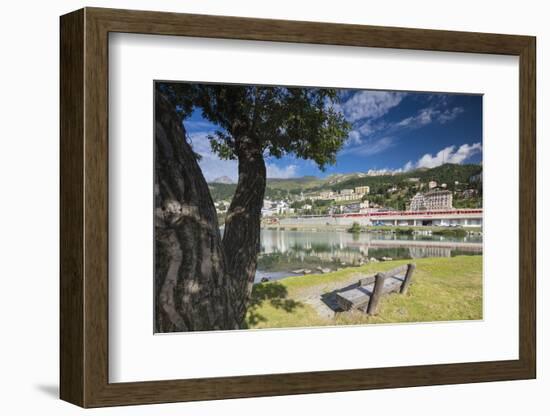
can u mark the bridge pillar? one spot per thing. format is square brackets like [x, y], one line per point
[465, 221]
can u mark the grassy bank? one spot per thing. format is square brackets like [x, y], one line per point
[444, 289]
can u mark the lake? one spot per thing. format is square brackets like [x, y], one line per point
[284, 251]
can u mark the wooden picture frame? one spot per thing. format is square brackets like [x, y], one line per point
[84, 207]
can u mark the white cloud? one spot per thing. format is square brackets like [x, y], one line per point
[370, 147]
[211, 165]
[449, 154]
[370, 104]
[371, 134]
[408, 166]
[379, 172]
[449, 115]
[429, 115]
[354, 138]
[274, 171]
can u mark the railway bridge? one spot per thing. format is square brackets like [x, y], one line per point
[443, 218]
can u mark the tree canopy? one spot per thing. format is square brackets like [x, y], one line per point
[279, 120]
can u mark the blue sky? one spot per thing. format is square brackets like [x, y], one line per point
[392, 131]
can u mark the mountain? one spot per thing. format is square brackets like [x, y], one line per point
[342, 177]
[447, 173]
[223, 179]
[302, 183]
[282, 188]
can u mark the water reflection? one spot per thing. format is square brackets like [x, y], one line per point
[284, 251]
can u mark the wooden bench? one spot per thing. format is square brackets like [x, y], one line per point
[366, 294]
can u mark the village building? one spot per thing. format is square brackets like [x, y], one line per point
[326, 195]
[271, 208]
[348, 197]
[433, 200]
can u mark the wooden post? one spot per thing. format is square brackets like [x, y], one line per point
[376, 293]
[408, 279]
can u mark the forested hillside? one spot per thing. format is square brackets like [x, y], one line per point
[282, 188]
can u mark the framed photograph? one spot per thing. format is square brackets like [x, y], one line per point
[256, 207]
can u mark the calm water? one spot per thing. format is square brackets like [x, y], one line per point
[285, 251]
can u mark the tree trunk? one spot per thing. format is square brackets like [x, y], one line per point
[193, 289]
[241, 238]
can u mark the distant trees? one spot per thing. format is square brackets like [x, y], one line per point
[376, 199]
[447, 173]
[355, 228]
[300, 204]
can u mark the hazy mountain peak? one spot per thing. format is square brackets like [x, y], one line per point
[223, 179]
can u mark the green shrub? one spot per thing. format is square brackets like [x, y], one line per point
[456, 232]
[355, 228]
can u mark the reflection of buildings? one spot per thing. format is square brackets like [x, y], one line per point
[431, 201]
[419, 252]
[343, 247]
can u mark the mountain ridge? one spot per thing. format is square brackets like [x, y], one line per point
[279, 187]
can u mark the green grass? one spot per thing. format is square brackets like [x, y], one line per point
[443, 289]
[452, 232]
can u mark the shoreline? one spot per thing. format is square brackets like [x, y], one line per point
[387, 229]
[311, 270]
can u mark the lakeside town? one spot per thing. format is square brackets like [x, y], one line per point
[410, 201]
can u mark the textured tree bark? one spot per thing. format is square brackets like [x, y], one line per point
[193, 288]
[241, 238]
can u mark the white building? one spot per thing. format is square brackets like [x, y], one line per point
[268, 212]
[432, 184]
[271, 208]
[281, 207]
[327, 195]
[348, 197]
[417, 202]
[433, 200]
[362, 190]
